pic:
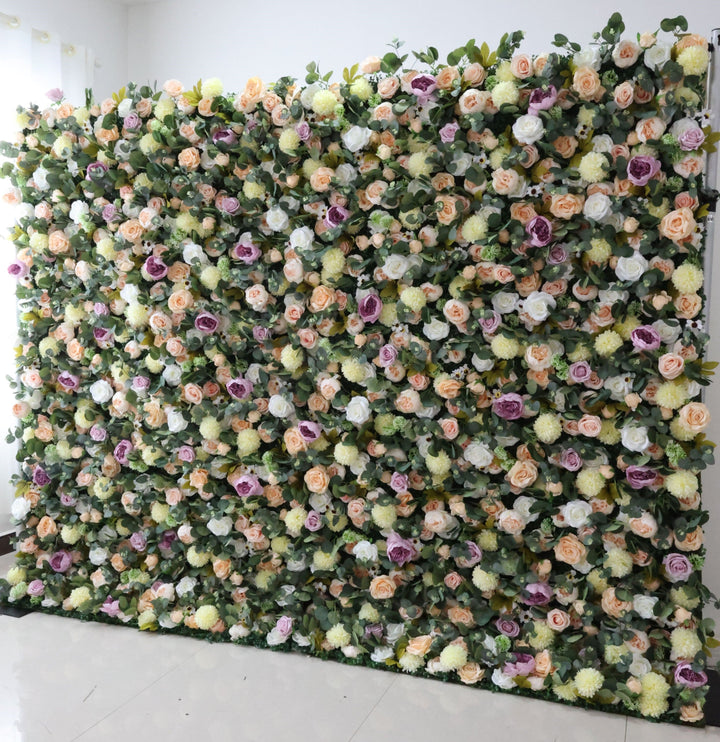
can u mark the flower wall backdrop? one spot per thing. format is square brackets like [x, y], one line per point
[404, 370]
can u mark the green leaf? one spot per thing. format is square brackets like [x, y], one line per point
[674, 24]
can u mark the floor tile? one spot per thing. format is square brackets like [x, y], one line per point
[58, 676]
[241, 694]
[643, 731]
[425, 710]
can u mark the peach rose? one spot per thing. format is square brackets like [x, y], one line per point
[538, 357]
[471, 673]
[388, 87]
[447, 213]
[46, 527]
[566, 205]
[408, 401]
[626, 53]
[316, 479]
[695, 417]
[473, 101]
[589, 425]
[321, 178]
[678, 225]
[688, 306]
[419, 645]
[450, 428]
[448, 388]
[505, 182]
[131, 230]
[456, 311]
[586, 82]
[474, 74]
[382, 587]
[58, 242]
[692, 712]
[461, 616]
[570, 550]
[189, 158]
[521, 66]
[651, 128]
[522, 474]
[692, 542]
[645, 526]
[671, 365]
[446, 77]
[612, 605]
[154, 414]
[321, 298]
[558, 620]
[180, 300]
[510, 522]
[294, 442]
[624, 95]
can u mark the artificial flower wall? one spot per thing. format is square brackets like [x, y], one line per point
[404, 369]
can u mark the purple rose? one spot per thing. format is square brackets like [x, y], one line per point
[100, 309]
[309, 431]
[374, 629]
[684, 674]
[508, 627]
[579, 372]
[474, 558]
[246, 251]
[102, 335]
[642, 168]
[206, 322]
[138, 541]
[509, 406]
[260, 333]
[155, 268]
[313, 522]
[677, 567]
[539, 228]
[423, 86]
[132, 121]
[36, 588]
[284, 626]
[40, 477]
[490, 324]
[248, 485]
[55, 95]
[96, 169]
[400, 550]
[541, 99]
[645, 337]
[335, 216]
[68, 381]
[60, 561]
[239, 388]
[691, 139]
[167, 540]
[399, 482]
[224, 136]
[447, 133]
[67, 500]
[388, 355]
[640, 476]
[140, 384]
[370, 307]
[523, 664]
[186, 453]
[110, 607]
[303, 131]
[537, 593]
[122, 450]
[570, 459]
[557, 255]
[18, 269]
[229, 204]
[98, 434]
[110, 213]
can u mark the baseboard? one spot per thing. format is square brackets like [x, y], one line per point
[6, 543]
[712, 705]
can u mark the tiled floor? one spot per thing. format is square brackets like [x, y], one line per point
[63, 680]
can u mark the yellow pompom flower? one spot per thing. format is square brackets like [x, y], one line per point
[345, 454]
[102, 488]
[418, 164]
[388, 315]
[590, 482]
[353, 370]
[439, 465]
[454, 656]
[593, 167]
[337, 636]
[333, 262]
[248, 441]
[210, 429]
[288, 141]
[687, 278]
[588, 682]
[295, 520]
[681, 483]
[600, 250]
[625, 328]
[487, 540]
[411, 662]
[210, 277]
[324, 102]
[164, 107]
[39, 241]
[263, 579]
[16, 575]
[609, 434]
[475, 228]
[252, 189]
[680, 432]
[159, 512]
[484, 581]
[361, 88]
[384, 516]
[542, 636]
[685, 643]
[505, 92]
[565, 691]
[291, 358]
[137, 315]
[310, 166]
[414, 298]
[654, 695]
[504, 71]
[547, 427]
[607, 343]
[197, 558]
[154, 365]
[147, 620]
[148, 144]
[504, 347]
[597, 581]
[106, 249]
[580, 353]
[62, 146]
[211, 88]
[206, 616]
[70, 534]
[615, 653]
[680, 597]
[671, 394]
[48, 346]
[368, 613]
[79, 596]
[619, 562]
[694, 60]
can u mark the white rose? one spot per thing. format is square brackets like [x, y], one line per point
[644, 605]
[130, 293]
[502, 680]
[538, 305]
[307, 95]
[619, 386]
[597, 206]
[20, 508]
[436, 330]
[635, 438]
[428, 412]
[528, 129]
[301, 238]
[523, 505]
[356, 138]
[253, 373]
[78, 210]
[358, 466]
[185, 586]
[640, 666]
[220, 526]
[478, 454]
[602, 143]
[576, 513]
[101, 391]
[395, 266]
[277, 219]
[124, 107]
[693, 389]
[380, 654]
[275, 637]
[296, 565]
[613, 296]
[365, 551]
[668, 334]
[345, 174]
[40, 178]
[98, 556]
[191, 252]
[357, 410]
[505, 302]
[319, 501]
[175, 421]
[280, 407]
[172, 374]
[393, 631]
[632, 268]
[461, 162]
[588, 57]
[656, 56]
[482, 364]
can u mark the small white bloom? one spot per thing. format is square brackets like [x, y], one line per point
[528, 129]
[393, 631]
[20, 508]
[656, 56]
[644, 605]
[502, 680]
[356, 138]
[192, 252]
[172, 374]
[588, 57]
[538, 305]
[124, 107]
[346, 174]
[185, 586]
[175, 421]
[505, 302]
[98, 556]
[220, 526]
[436, 329]
[380, 654]
[576, 513]
[78, 211]
[280, 407]
[395, 266]
[632, 268]
[482, 364]
[602, 143]
[277, 219]
[130, 293]
[597, 206]
[478, 454]
[358, 410]
[523, 505]
[101, 391]
[301, 238]
[635, 438]
[365, 551]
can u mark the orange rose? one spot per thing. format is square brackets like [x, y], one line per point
[461, 616]
[382, 587]
[154, 414]
[570, 550]
[522, 212]
[198, 478]
[419, 645]
[316, 479]
[448, 388]
[586, 82]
